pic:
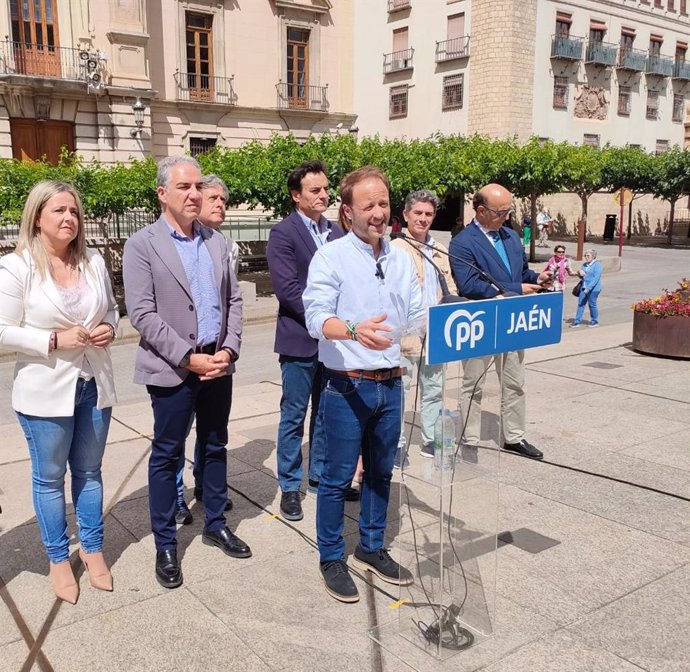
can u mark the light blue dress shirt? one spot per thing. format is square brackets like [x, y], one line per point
[343, 283]
[198, 267]
[319, 231]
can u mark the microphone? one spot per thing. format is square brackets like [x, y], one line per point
[483, 274]
[447, 296]
[379, 271]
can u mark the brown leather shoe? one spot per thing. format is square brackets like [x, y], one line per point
[65, 586]
[99, 574]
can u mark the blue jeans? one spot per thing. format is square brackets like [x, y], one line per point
[584, 299]
[358, 414]
[53, 443]
[172, 408]
[302, 381]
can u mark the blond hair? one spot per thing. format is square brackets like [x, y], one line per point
[29, 238]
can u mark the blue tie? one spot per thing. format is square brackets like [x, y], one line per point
[501, 249]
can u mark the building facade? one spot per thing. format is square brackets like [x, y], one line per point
[114, 79]
[585, 71]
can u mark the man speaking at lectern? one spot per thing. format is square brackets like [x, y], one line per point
[497, 250]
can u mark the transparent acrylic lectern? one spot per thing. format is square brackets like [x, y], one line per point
[446, 536]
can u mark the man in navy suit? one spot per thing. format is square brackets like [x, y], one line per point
[291, 245]
[497, 250]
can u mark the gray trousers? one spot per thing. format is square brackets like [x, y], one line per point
[510, 368]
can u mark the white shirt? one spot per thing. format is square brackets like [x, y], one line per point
[342, 283]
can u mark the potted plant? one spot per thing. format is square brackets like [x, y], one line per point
[661, 326]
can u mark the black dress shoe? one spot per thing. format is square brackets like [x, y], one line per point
[183, 516]
[339, 583]
[227, 542]
[168, 570]
[290, 506]
[524, 448]
[199, 496]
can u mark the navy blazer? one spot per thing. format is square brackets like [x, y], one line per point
[472, 245]
[290, 250]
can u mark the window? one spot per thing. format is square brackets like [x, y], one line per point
[397, 104]
[297, 67]
[560, 92]
[596, 35]
[35, 37]
[33, 139]
[661, 146]
[456, 27]
[401, 40]
[681, 51]
[678, 107]
[199, 146]
[683, 6]
[452, 92]
[627, 39]
[652, 104]
[591, 139]
[659, 4]
[199, 56]
[563, 22]
[655, 43]
[671, 6]
[624, 96]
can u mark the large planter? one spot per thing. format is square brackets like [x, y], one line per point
[666, 336]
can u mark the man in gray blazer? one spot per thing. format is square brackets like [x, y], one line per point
[183, 299]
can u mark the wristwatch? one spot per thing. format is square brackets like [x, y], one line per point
[184, 362]
[233, 355]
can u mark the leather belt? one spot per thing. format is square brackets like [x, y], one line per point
[377, 374]
[209, 349]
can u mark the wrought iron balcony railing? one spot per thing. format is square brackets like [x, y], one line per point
[681, 70]
[397, 5]
[397, 61]
[567, 48]
[632, 59]
[302, 97]
[659, 65]
[601, 53]
[448, 50]
[204, 88]
[41, 60]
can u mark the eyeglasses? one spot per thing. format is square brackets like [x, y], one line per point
[500, 213]
[560, 251]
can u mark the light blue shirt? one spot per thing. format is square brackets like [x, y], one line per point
[198, 267]
[430, 276]
[319, 231]
[342, 283]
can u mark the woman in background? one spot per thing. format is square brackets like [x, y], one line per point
[57, 311]
[590, 272]
[560, 266]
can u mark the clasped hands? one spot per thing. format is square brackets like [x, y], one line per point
[208, 367]
[100, 336]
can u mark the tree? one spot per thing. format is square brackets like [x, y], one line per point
[583, 167]
[671, 179]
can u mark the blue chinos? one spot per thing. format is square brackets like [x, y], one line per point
[302, 380]
[172, 407]
[357, 414]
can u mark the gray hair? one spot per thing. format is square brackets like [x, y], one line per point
[168, 163]
[421, 196]
[210, 181]
[592, 252]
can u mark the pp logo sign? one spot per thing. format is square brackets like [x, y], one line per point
[463, 327]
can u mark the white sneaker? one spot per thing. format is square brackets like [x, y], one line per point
[593, 324]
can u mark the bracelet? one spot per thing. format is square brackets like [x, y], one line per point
[351, 329]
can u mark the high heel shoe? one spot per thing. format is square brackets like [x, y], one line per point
[99, 574]
[65, 586]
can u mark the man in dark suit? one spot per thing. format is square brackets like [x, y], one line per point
[184, 300]
[291, 245]
[497, 250]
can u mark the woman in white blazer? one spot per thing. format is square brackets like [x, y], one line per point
[58, 313]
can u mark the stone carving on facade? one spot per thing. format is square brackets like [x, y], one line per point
[592, 102]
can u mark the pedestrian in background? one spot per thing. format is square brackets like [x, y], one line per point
[590, 272]
[57, 311]
[560, 266]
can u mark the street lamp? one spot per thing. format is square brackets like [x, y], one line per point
[139, 109]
